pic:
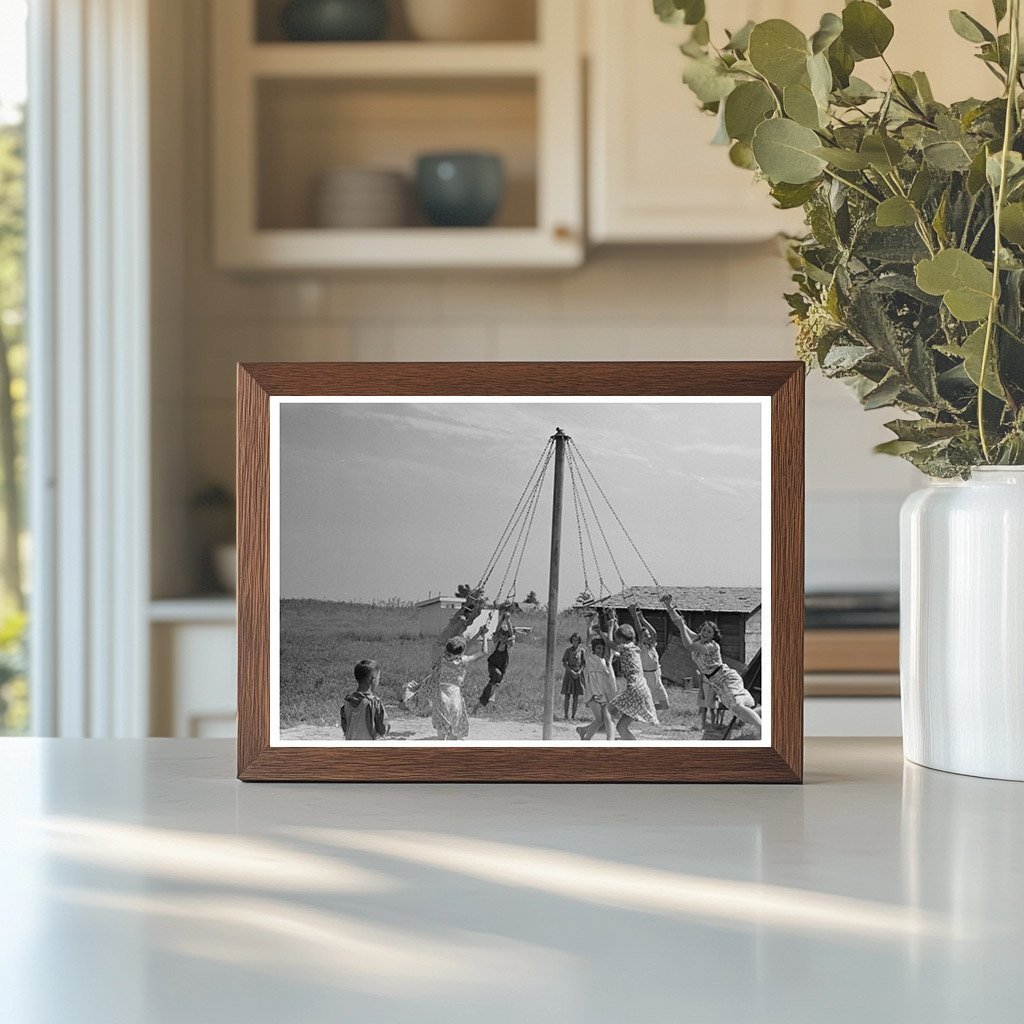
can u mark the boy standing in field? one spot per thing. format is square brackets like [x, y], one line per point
[362, 713]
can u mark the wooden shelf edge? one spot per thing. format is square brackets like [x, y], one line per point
[852, 650]
[392, 60]
[405, 248]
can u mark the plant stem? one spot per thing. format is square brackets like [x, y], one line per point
[922, 225]
[855, 187]
[993, 309]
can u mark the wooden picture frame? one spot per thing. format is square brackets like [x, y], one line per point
[780, 760]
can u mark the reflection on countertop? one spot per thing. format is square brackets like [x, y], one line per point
[877, 891]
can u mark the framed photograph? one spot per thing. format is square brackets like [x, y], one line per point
[520, 572]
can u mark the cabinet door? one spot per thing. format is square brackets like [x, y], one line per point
[653, 174]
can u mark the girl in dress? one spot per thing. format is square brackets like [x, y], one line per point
[599, 686]
[634, 703]
[649, 658]
[726, 682]
[444, 688]
[572, 682]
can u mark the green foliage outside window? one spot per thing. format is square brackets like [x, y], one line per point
[13, 412]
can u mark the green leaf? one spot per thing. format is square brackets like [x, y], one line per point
[939, 220]
[976, 173]
[800, 105]
[866, 29]
[947, 156]
[921, 185]
[896, 212]
[785, 152]
[883, 153]
[741, 155]
[969, 28]
[895, 447]
[923, 431]
[668, 12]
[841, 60]
[1012, 224]
[924, 87]
[676, 12]
[971, 352]
[739, 41]
[1014, 169]
[778, 50]
[858, 91]
[884, 395]
[708, 80]
[693, 11]
[820, 77]
[745, 108]
[844, 159]
[963, 281]
[789, 197]
[829, 30]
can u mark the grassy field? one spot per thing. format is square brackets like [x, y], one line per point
[322, 640]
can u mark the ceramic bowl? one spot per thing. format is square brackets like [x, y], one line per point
[334, 20]
[358, 197]
[460, 189]
[469, 20]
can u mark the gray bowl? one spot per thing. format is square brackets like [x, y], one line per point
[461, 190]
[334, 20]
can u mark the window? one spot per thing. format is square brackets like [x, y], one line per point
[14, 550]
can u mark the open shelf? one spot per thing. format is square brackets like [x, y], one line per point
[520, 17]
[286, 114]
[308, 127]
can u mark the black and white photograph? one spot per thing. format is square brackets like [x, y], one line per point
[519, 571]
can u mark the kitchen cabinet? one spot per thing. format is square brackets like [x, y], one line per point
[287, 113]
[192, 651]
[653, 175]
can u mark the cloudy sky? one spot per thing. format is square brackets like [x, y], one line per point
[401, 500]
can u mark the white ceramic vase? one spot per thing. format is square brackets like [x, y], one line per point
[962, 624]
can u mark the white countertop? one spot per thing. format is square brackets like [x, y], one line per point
[143, 885]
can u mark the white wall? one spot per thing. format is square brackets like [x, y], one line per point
[656, 303]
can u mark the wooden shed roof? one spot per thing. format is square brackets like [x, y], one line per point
[745, 600]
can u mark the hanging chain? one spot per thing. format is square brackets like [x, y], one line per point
[579, 527]
[529, 510]
[522, 551]
[513, 520]
[636, 550]
[600, 530]
[590, 537]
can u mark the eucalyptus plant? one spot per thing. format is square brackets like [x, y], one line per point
[910, 278]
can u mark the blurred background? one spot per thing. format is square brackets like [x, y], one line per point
[246, 180]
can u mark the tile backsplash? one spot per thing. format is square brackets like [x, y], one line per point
[700, 303]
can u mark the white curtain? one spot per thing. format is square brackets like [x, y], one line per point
[88, 318]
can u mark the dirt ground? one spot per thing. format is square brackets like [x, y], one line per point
[680, 722]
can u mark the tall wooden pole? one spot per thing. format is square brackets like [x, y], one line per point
[559, 437]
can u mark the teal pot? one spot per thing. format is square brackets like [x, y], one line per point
[332, 21]
[462, 190]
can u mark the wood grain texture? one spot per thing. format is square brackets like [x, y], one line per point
[252, 487]
[852, 650]
[782, 762]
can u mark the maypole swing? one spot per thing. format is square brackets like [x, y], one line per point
[514, 538]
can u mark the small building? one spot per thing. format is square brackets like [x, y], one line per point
[435, 613]
[735, 610]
